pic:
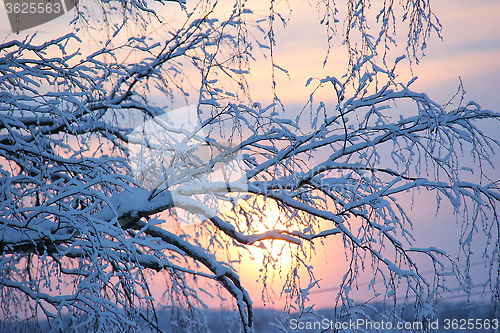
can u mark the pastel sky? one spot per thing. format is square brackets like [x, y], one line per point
[470, 50]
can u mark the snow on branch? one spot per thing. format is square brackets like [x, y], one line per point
[92, 166]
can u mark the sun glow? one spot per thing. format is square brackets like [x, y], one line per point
[266, 215]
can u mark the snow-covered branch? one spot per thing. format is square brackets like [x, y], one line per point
[92, 166]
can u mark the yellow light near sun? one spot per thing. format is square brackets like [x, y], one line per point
[272, 214]
[264, 218]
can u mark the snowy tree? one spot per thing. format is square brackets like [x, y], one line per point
[92, 164]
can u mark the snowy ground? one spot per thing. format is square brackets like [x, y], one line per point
[451, 317]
